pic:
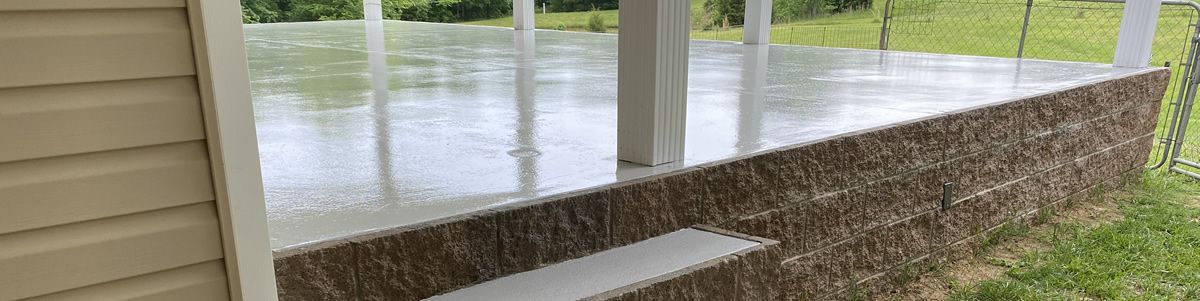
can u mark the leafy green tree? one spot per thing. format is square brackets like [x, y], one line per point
[262, 11]
[321, 10]
[726, 11]
[580, 5]
[266, 11]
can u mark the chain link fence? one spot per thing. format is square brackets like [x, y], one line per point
[1063, 30]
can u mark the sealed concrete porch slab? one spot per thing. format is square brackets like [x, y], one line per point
[444, 120]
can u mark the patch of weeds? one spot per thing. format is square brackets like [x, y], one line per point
[908, 274]
[1001, 234]
[596, 22]
[855, 293]
[1044, 215]
[1000, 262]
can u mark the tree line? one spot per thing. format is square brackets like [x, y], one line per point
[446, 11]
[732, 12]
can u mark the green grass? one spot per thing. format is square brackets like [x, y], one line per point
[1153, 253]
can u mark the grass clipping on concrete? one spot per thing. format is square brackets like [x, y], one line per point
[1143, 244]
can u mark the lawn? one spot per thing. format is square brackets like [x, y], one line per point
[1150, 252]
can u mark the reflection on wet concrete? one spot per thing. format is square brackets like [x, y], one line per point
[366, 126]
[754, 78]
[377, 65]
[526, 152]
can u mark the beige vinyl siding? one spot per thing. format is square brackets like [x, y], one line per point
[76, 118]
[199, 282]
[106, 184]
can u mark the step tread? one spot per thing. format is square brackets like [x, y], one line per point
[609, 270]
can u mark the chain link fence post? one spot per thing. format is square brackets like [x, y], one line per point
[1024, 29]
[883, 30]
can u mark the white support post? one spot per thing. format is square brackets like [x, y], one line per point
[233, 144]
[757, 27]
[1136, 38]
[373, 10]
[523, 11]
[652, 62]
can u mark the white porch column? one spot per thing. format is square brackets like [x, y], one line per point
[1136, 37]
[217, 30]
[523, 11]
[373, 10]
[652, 61]
[757, 28]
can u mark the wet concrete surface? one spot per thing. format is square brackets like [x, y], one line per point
[365, 126]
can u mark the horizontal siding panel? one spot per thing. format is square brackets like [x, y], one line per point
[200, 282]
[74, 23]
[93, 46]
[56, 259]
[51, 121]
[56, 191]
[28, 5]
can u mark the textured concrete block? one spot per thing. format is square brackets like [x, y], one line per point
[735, 189]
[792, 173]
[1059, 182]
[829, 270]
[759, 273]
[988, 127]
[891, 245]
[990, 168]
[1131, 91]
[993, 167]
[553, 231]
[714, 280]
[847, 161]
[899, 197]
[1109, 130]
[1113, 161]
[423, 262]
[812, 275]
[656, 206]
[986, 210]
[804, 226]
[321, 273]
[776, 224]
[894, 150]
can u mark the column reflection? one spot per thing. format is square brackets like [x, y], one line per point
[525, 83]
[378, 68]
[754, 78]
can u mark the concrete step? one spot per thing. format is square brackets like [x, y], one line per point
[708, 264]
